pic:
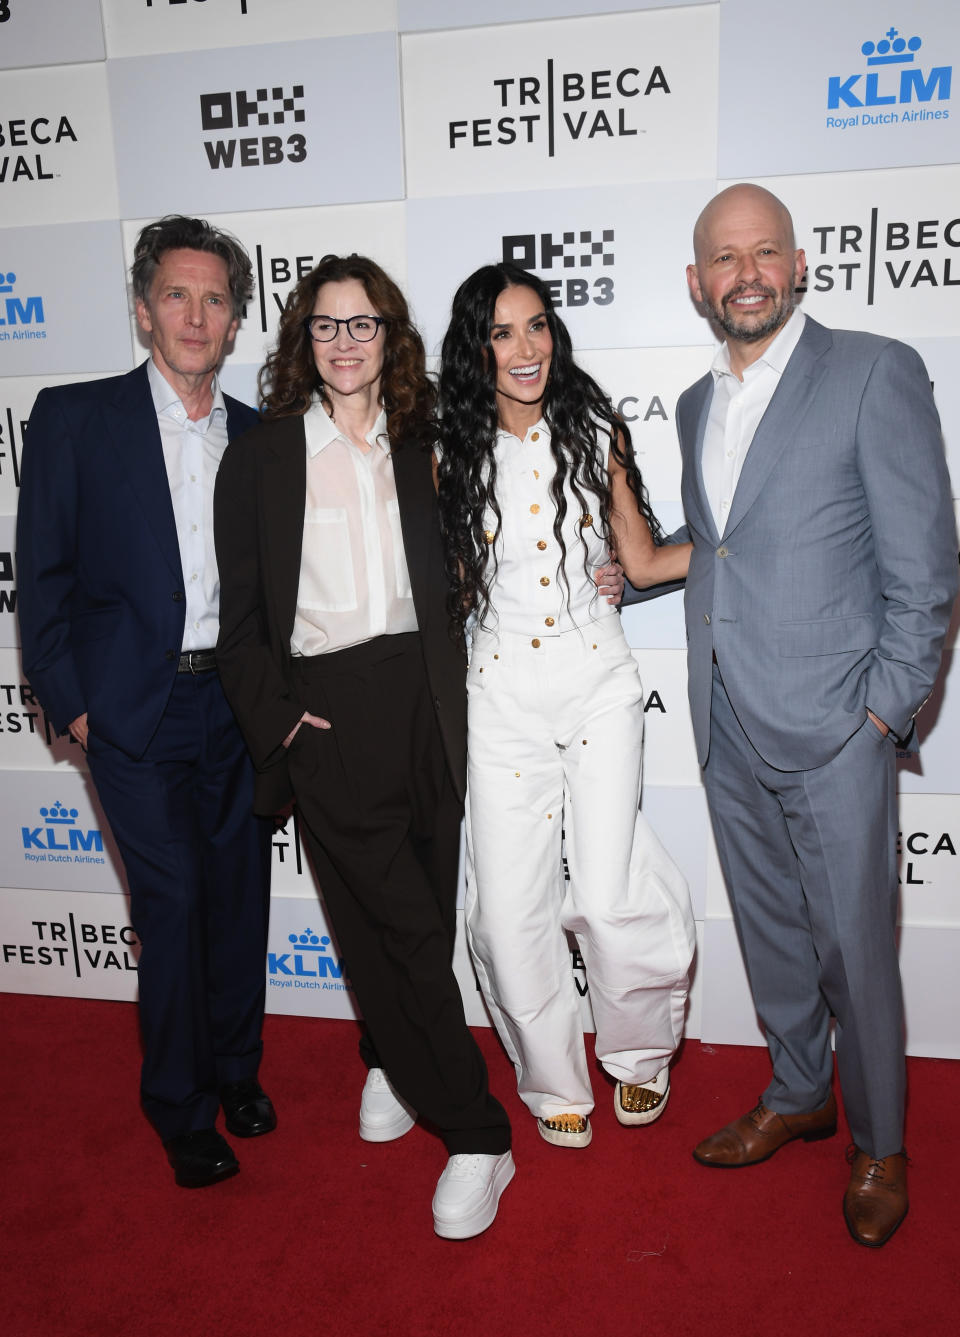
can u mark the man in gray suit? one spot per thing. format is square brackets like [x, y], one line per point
[821, 583]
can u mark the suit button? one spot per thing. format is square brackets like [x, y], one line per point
[178, 596]
[541, 545]
[535, 643]
[706, 618]
[548, 621]
[723, 552]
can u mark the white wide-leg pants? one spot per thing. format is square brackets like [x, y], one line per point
[555, 746]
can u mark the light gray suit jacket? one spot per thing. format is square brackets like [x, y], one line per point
[831, 588]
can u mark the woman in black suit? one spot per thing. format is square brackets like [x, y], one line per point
[335, 654]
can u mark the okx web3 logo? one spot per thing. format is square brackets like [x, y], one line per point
[547, 252]
[896, 88]
[241, 128]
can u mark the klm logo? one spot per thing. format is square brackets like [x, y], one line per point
[59, 840]
[20, 311]
[566, 250]
[255, 112]
[892, 78]
[307, 965]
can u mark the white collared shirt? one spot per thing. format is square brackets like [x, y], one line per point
[735, 412]
[192, 452]
[354, 582]
[526, 592]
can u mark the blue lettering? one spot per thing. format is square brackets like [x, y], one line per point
[912, 81]
[838, 92]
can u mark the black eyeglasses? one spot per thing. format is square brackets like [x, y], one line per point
[324, 329]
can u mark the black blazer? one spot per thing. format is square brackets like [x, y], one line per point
[100, 582]
[258, 520]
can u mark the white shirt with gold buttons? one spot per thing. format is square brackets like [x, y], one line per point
[527, 594]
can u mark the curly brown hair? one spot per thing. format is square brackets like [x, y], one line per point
[289, 378]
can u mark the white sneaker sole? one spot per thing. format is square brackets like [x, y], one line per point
[557, 1138]
[484, 1215]
[387, 1132]
[639, 1119]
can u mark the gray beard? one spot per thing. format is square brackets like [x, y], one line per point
[749, 334]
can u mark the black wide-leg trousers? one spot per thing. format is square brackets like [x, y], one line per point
[382, 824]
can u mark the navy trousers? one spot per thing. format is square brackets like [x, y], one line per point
[198, 870]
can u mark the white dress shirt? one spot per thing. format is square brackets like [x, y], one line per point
[354, 582]
[526, 594]
[735, 412]
[191, 453]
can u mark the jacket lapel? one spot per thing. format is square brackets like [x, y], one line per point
[696, 410]
[782, 420]
[283, 480]
[132, 431]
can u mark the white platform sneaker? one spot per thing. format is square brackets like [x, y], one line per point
[468, 1194]
[644, 1102]
[383, 1115]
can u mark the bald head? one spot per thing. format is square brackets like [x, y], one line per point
[739, 203]
[747, 268]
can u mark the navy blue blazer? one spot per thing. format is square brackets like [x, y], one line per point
[100, 582]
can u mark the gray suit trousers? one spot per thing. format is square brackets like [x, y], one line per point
[809, 859]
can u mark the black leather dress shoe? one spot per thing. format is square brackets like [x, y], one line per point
[200, 1158]
[247, 1109]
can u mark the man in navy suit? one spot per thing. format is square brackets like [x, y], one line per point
[823, 572]
[119, 596]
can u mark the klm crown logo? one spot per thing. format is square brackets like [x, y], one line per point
[308, 959]
[882, 87]
[17, 310]
[59, 822]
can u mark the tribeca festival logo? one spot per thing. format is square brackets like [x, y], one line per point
[60, 840]
[911, 250]
[915, 846]
[307, 964]
[569, 105]
[12, 430]
[18, 311]
[8, 589]
[892, 79]
[240, 110]
[547, 252]
[4, 10]
[72, 944]
[166, 4]
[19, 133]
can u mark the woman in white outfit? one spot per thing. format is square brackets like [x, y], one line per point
[538, 486]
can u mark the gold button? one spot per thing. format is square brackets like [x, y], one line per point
[548, 621]
[534, 509]
[536, 645]
[584, 741]
[586, 520]
[496, 656]
[542, 545]
[544, 580]
[594, 645]
[481, 670]
[549, 815]
[534, 436]
[536, 473]
[517, 774]
[489, 535]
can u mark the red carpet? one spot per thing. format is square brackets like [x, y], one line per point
[321, 1233]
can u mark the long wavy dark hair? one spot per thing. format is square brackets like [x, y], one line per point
[574, 408]
[289, 377]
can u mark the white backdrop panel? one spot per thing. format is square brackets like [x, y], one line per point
[420, 14]
[26, 734]
[248, 123]
[623, 97]
[139, 27]
[63, 300]
[48, 32]
[934, 770]
[645, 384]
[76, 944]
[929, 864]
[931, 990]
[16, 402]
[669, 754]
[614, 258]
[840, 107]
[56, 154]
[883, 248]
[54, 835]
[9, 630]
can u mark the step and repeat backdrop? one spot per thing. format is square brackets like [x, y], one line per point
[579, 138]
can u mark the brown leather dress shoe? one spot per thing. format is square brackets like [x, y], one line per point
[876, 1198]
[757, 1135]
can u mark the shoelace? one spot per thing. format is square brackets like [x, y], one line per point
[463, 1165]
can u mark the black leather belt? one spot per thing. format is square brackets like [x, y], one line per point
[197, 661]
